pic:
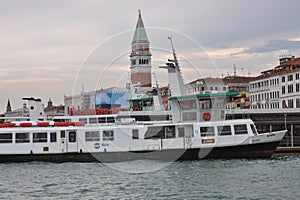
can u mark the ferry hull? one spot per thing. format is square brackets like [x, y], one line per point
[263, 150]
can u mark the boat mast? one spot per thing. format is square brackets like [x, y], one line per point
[177, 86]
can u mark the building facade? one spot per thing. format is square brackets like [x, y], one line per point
[238, 84]
[279, 87]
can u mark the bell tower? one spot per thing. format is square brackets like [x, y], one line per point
[140, 56]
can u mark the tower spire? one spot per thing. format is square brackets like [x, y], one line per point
[140, 32]
[8, 106]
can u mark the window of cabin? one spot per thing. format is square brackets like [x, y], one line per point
[6, 138]
[169, 132]
[240, 129]
[39, 137]
[108, 135]
[224, 130]
[110, 120]
[154, 132]
[93, 120]
[181, 132]
[207, 131]
[92, 136]
[22, 138]
[72, 136]
[83, 120]
[62, 134]
[188, 104]
[189, 116]
[53, 137]
[135, 134]
[101, 120]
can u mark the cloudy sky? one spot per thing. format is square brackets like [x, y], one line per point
[51, 48]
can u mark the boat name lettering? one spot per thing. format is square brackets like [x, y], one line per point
[271, 135]
[105, 144]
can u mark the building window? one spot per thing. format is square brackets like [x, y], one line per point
[91, 136]
[290, 88]
[39, 137]
[290, 77]
[283, 79]
[108, 135]
[290, 103]
[297, 103]
[297, 76]
[297, 87]
[53, 137]
[135, 134]
[283, 90]
[22, 138]
[6, 138]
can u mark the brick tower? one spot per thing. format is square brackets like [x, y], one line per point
[140, 56]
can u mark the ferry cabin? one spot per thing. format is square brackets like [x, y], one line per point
[124, 138]
[196, 131]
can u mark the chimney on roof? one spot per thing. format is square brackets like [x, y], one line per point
[293, 58]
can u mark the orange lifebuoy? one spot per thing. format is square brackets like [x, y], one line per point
[206, 116]
[136, 109]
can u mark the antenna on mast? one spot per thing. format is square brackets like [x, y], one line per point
[174, 54]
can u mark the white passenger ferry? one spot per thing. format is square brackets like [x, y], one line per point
[195, 130]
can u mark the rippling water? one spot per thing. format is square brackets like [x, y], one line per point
[276, 178]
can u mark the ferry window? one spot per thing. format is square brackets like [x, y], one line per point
[253, 128]
[240, 129]
[154, 132]
[181, 132]
[110, 120]
[22, 138]
[108, 135]
[189, 116]
[72, 136]
[83, 120]
[188, 104]
[205, 104]
[92, 136]
[207, 131]
[6, 138]
[39, 137]
[135, 134]
[224, 130]
[93, 120]
[169, 132]
[101, 120]
[62, 134]
[53, 137]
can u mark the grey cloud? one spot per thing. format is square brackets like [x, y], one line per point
[275, 45]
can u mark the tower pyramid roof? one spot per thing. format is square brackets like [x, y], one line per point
[140, 32]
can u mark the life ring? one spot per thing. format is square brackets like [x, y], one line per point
[136, 109]
[206, 116]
